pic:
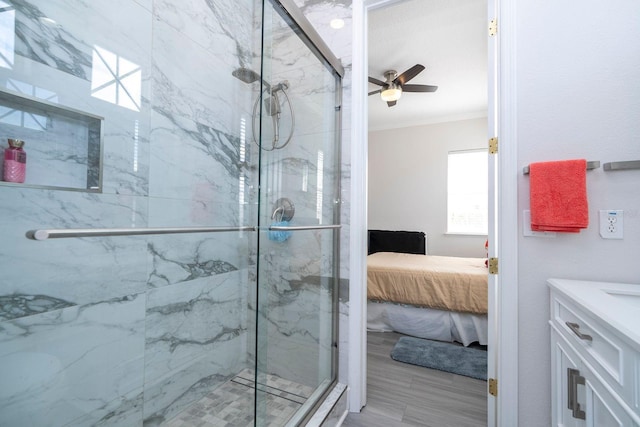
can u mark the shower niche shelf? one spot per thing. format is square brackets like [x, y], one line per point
[63, 145]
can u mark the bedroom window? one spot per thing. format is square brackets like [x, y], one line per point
[467, 192]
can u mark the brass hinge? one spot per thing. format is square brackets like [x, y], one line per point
[493, 145]
[493, 27]
[493, 265]
[493, 386]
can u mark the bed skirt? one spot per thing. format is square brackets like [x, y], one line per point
[427, 323]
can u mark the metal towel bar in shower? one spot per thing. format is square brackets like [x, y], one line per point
[303, 227]
[104, 232]
[94, 232]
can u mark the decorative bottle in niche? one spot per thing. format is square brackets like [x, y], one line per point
[15, 162]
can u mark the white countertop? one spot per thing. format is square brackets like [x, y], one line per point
[617, 304]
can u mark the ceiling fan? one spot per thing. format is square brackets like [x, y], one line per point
[394, 86]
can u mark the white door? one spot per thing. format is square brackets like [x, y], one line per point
[503, 215]
[493, 193]
[492, 117]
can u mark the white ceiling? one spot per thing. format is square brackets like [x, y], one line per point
[448, 37]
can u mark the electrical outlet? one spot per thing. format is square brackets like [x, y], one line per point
[612, 224]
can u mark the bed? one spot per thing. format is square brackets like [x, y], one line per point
[433, 297]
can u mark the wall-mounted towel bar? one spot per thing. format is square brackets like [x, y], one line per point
[618, 166]
[590, 165]
[95, 232]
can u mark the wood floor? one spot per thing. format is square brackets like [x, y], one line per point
[399, 394]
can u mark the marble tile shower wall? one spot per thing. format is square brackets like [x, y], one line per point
[130, 330]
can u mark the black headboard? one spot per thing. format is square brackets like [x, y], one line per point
[408, 242]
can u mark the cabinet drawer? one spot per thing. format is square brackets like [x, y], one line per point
[606, 353]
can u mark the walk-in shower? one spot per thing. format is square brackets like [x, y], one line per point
[272, 107]
[152, 269]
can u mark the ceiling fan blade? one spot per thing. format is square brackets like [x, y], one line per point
[408, 75]
[419, 88]
[376, 81]
[375, 91]
[391, 103]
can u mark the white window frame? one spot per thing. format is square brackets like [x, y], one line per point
[472, 179]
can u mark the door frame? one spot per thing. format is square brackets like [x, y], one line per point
[503, 235]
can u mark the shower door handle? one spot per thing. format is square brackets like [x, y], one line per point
[97, 232]
[304, 227]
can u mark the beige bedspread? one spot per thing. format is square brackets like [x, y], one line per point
[446, 283]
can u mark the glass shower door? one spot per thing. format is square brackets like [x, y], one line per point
[145, 278]
[297, 266]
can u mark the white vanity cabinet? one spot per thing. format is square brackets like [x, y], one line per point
[595, 353]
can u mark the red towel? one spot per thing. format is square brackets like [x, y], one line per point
[558, 196]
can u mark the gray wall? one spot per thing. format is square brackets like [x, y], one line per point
[578, 97]
[407, 180]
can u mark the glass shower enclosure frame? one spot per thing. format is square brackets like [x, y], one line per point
[300, 209]
[173, 253]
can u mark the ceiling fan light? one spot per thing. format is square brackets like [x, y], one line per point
[391, 94]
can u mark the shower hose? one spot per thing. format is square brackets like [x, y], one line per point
[275, 143]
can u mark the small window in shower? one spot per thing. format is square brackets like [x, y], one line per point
[7, 34]
[115, 79]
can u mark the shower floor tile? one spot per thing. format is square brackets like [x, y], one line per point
[232, 404]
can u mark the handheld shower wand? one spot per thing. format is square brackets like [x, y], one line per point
[271, 106]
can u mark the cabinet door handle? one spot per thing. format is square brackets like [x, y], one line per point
[575, 328]
[573, 379]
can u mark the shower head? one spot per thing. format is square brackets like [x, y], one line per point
[248, 76]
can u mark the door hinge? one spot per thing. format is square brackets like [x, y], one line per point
[493, 27]
[493, 145]
[493, 265]
[493, 386]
